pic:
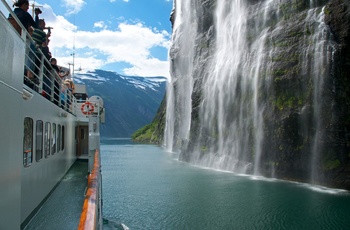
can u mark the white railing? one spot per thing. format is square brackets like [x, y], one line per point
[39, 76]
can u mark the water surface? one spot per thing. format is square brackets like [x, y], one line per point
[145, 187]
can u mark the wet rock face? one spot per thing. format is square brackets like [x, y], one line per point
[288, 131]
[338, 18]
[306, 133]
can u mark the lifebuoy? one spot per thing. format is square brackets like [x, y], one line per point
[90, 108]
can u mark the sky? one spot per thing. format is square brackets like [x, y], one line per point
[130, 37]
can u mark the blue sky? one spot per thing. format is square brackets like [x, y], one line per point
[131, 37]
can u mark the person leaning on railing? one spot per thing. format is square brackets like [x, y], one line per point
[71, 86]
[48, 78]
[29, 71]
[66, 95]
[60, 73]
[21, 11]
[40, 38]
[70, 92]
[24, 17]
[57, 81]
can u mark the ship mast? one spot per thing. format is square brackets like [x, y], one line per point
[73, 54]
[72, 64]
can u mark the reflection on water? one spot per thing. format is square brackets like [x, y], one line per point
[147, 188]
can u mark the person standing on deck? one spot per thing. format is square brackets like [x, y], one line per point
[28, 23]
[25, 18]
[40, 38]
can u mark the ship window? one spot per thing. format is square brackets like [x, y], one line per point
[47, 139]
[39, 141]
[81, 97]
[53, 138]
[28, 142]
[58, 138]
[62, 137]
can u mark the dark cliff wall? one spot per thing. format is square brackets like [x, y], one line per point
[338, 19]
[289, 120]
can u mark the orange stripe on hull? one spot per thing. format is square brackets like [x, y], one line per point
[89, 216]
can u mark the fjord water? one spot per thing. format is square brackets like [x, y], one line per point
[145, 187]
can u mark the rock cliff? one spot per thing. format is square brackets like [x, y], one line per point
[261, 87]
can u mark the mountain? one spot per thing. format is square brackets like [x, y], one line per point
[130, 102]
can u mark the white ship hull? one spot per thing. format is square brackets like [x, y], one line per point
[24, 186]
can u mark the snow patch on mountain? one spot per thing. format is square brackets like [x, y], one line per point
[100, 76]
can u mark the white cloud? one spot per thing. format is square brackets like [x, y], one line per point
[129, 43]
[73, 6]
[149, 67]
[116, 0]
[100, 24]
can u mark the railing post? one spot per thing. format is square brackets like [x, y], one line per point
[41, 73]
[52, 78]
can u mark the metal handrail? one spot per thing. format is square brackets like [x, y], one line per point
[23, 35]
[48, 83]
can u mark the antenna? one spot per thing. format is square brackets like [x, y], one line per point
[73, 54]
[70, 64]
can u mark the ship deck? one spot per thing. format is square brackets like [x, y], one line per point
[63, 207]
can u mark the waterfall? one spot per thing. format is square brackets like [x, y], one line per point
[219, 89]
[261, 86]
[169, 123]
[323, 51]
[231, 104]
[184, 30]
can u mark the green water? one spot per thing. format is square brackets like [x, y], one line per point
[145, 187]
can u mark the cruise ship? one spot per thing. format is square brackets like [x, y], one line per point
[45, 129]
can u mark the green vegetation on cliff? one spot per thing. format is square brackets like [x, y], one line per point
[152, 133]
[146, 134]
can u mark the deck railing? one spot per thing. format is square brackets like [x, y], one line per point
[91, 214]
[38, 75]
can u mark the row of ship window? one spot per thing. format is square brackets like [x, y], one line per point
[48, 138]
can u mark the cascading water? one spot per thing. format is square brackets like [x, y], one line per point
[231, 104]
[261, 86]
[323, 51]
[178, 119]
[170, 114]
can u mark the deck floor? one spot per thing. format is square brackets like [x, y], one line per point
[62, 209]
